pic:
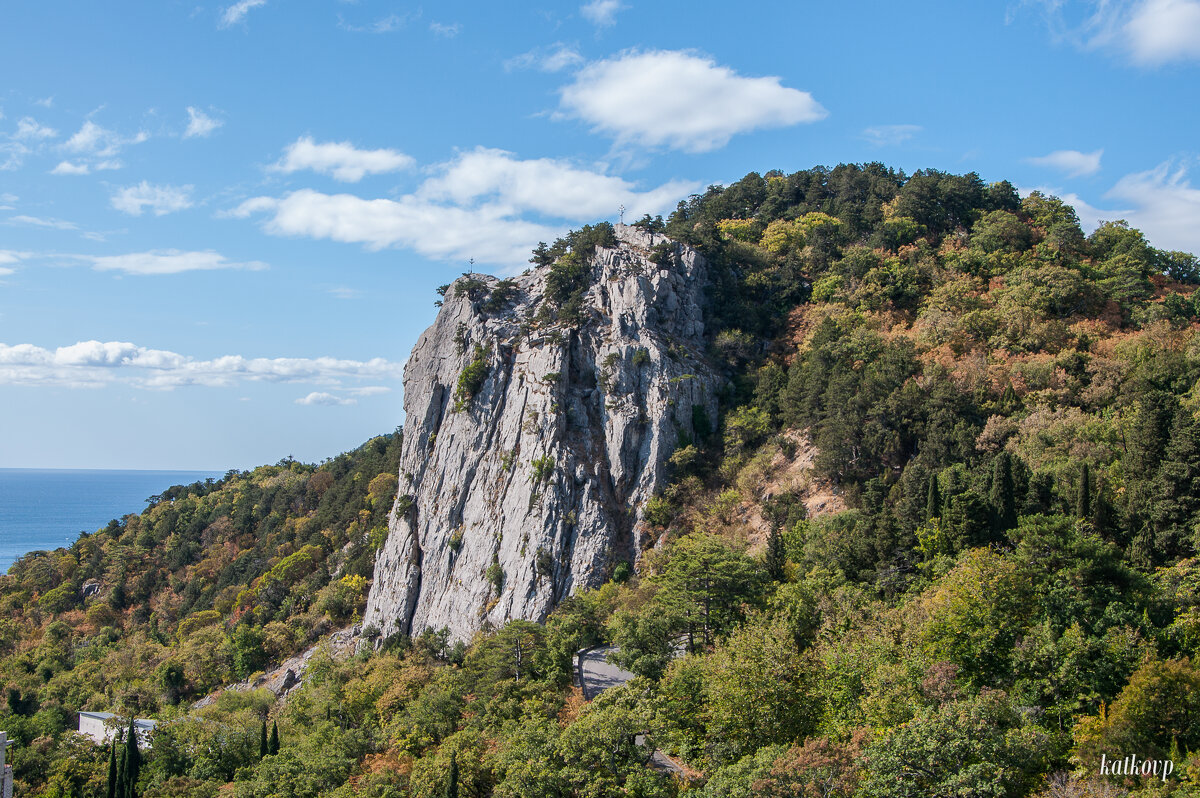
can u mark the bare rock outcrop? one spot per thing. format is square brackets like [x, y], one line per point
[531, 445]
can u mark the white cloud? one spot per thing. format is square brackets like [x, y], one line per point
[1166, 206]
[553, 59]
[341, 160]
[92, 139]
[68, 168]
[472, 208]
[168, 261]
[5, 271]
[10, 256]
[449, 31]
[601, 13]
[12, 155]
[29, 129]
[159, 199]
[369, 390]
[544, 185]
[200, 124]
[37, 221]
[890, 135]
[1159, 31]
[680, 100]
[1072, 163]
[7, 198]
[1148, 32]
[343, 292]
[96, 363]
[1161, 202]
[237, 12]
[488, 234]
[325, 399]
[392, 22]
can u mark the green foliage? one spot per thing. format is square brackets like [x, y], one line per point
[471, 378]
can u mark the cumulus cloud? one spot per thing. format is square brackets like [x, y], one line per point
[449, 31]
[890, 135]
[29, 129]
[324, 399]
[1072, 163]
[97, 363]
[388, 24]
[341, 160]
[162, 200]
[167, 261]
[680, 100]
[601, 13]
[68, 168]
[237, 12]
[200, 124]
[471, 207]
[555, 58]
[12, 155]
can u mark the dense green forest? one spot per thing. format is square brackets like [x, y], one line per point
[999, 588]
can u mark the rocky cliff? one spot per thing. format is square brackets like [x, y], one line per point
[531, 443]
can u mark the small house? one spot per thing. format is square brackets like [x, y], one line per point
[102, 727]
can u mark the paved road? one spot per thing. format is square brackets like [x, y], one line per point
[596, 675]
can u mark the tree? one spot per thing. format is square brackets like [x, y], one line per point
[452, 777]
[776, 559]
[273, 743]
[133, 761]
[112, 770]
[1004, 494]
[933, 501]
[263, 746]
[1083, 499]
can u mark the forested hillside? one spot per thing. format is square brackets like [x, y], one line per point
[997, 587]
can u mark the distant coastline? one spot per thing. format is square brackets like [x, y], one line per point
[45, 508]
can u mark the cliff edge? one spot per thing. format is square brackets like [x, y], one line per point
[535, 431]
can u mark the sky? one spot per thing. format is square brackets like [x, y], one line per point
[222, 225]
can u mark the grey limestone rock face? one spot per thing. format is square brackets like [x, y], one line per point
[533, 488]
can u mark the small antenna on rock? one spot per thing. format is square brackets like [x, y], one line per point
[622, 212]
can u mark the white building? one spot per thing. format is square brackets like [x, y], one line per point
[6, 776]
[102, 727]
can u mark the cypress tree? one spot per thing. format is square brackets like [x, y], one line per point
[133, 761]
[273, 745]
[1083, 499]
[120, 791]
[776, 560]
[262, 741]
[452, 776]
[112, 769]
[1003, 495]
[933, 501]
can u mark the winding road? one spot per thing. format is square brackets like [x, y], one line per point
[596, 674]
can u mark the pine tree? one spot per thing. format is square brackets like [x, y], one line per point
[133, 761]
[452, 776]
[776, 559]
[112, 770]
[273, 744]
[933, 501]
[263, 750]
[1083, 499]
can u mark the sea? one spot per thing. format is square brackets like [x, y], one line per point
[43, 509]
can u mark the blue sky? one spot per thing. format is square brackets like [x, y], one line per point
[221, 225]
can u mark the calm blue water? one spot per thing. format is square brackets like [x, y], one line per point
[48, 508]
